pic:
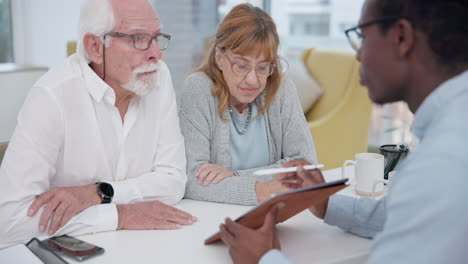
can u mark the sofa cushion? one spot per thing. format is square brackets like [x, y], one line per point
[335, 72]
[308, 89]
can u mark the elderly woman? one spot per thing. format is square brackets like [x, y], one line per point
[238, 114]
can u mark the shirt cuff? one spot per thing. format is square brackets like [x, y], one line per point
[124, 192]
[340, 211]
[97, 218]
[108, 217]
[103, 216]
[274, 256]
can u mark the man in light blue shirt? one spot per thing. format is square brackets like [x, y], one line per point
[415, 51]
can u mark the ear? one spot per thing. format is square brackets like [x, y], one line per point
[218, 57]
[405, 37]
[93, 46]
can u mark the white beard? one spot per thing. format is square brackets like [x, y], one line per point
[140, 85]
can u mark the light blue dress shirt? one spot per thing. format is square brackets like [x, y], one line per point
[422, 218]
[274, 256]
[249, 150]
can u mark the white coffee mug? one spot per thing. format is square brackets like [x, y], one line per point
[368, 173]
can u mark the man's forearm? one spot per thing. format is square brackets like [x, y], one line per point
[121, 216]
[361, 216]
[18, 227]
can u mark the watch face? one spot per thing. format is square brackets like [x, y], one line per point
[106, 189]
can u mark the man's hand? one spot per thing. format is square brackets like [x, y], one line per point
[152, 215]
[304, 178]
[61, 204]
[290, 179]
[248, 245]
[210, 173]
[300, 180]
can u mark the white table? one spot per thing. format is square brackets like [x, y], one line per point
[304, 239]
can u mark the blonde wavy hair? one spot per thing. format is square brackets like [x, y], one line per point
[244, 29]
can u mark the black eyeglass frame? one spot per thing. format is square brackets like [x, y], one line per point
[357, 29]
[135, 36]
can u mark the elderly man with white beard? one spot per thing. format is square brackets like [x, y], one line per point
[97, 146]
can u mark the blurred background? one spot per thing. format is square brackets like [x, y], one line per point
[34, 34]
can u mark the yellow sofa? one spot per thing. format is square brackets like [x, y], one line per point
[71, 47]
[339, 121]
[3, 147]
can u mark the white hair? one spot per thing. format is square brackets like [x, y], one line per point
[97, 17]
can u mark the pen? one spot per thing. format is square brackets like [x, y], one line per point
[283, 170]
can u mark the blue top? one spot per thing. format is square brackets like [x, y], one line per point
[249, 150]
[422, 219]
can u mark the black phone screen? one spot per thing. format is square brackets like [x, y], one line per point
[72, 247]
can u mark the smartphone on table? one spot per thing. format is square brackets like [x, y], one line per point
[45, 255]
[72, 247]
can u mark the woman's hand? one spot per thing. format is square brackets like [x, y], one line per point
[266, 189]
[211, 173]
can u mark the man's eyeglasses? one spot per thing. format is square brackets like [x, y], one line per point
[241, 69]
[143, 41]
[354, 34]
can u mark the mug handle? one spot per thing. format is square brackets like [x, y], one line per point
[374, 186]
[347, 162]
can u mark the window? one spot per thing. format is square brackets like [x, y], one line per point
[6, 36]
[312, 24]
[308, 30]
[224, 6]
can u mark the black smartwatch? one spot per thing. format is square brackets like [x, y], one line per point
[106, 192]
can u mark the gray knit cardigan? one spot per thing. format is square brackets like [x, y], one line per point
[207, 139]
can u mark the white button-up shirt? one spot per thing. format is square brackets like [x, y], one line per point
[69, 133]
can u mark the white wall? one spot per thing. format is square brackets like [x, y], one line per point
[42, 29]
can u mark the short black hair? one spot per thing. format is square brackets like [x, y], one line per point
[444, 22]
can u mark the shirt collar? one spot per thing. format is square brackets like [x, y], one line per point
[435, 101]
[97, 88]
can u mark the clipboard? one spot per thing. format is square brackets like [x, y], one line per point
[295, 202]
